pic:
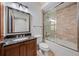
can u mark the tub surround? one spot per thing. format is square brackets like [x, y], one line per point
[66, 27]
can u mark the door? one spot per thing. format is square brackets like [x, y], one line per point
[50, 25]
[1, 20]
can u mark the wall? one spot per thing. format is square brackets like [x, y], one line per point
[66, 28]
[36, 21]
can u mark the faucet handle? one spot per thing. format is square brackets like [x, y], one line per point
[17, 36]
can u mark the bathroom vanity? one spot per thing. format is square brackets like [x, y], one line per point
[19, 47]
[17, 40]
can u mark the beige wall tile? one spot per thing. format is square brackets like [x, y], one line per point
[66, 27]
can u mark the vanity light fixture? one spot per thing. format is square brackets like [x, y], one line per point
[19, 6]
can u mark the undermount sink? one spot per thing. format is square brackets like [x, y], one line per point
[9, 42]
[20, 39]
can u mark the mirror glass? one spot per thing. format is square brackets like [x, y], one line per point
[18, 21]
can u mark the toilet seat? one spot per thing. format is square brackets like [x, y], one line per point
[43, 46]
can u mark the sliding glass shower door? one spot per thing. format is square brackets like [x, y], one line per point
[49, 25]
[60, 25]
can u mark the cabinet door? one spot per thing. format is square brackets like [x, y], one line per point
[28, 48]
[31, 48]
[23, 50]
[0, 50]
[12, 50]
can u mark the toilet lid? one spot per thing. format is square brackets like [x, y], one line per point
[43, 45]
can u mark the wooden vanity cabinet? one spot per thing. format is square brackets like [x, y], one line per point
[26, 48]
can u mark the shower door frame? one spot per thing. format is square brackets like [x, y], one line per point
[77, 18]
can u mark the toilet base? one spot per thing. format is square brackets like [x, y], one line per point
[49, 53]
[45, 53]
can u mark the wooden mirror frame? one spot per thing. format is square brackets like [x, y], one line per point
[12, 25]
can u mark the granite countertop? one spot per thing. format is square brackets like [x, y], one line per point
[1, 41]
[7, 42]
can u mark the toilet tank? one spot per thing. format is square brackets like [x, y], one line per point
[39, 38]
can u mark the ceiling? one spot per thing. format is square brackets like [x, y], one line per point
[43, 5]
[33, 3]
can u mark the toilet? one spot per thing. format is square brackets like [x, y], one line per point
[42, 45]
[44, 48]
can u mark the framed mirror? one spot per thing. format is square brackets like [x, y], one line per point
[18, 21]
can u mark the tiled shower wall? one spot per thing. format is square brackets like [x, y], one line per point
[66, 27]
